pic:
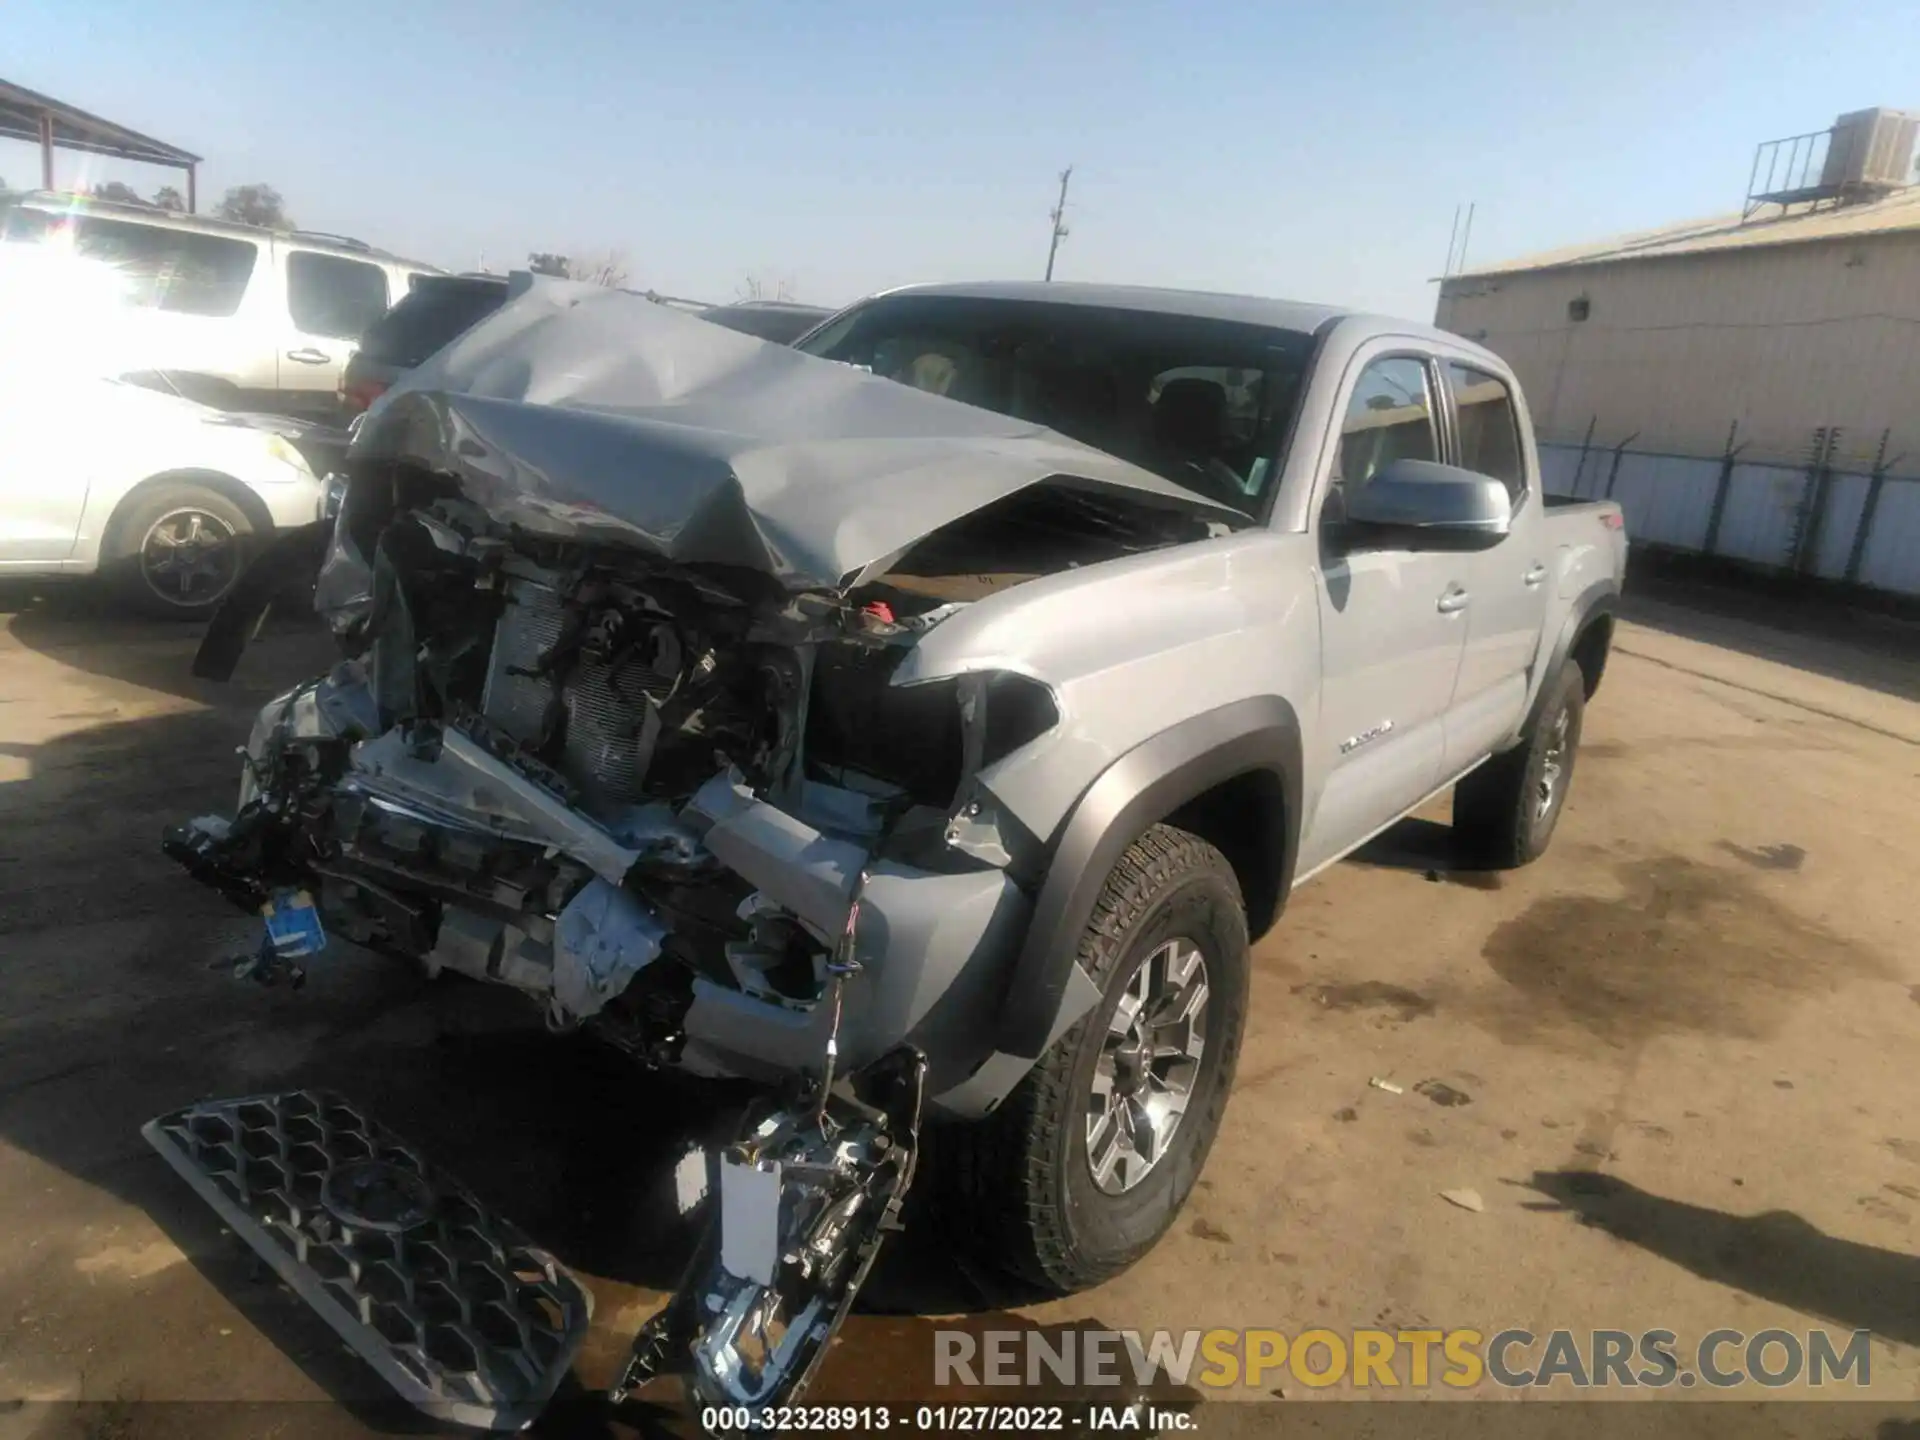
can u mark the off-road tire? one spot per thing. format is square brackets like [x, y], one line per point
[120, 554]
[1497, 817]
[1019, 1180]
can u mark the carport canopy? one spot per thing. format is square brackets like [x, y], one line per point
[54, 125]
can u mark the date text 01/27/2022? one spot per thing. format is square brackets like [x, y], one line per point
[947, 1419]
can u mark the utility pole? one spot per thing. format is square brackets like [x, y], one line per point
[1457, 241]
[1059, 220]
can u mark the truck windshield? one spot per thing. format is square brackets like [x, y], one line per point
[1204, 403]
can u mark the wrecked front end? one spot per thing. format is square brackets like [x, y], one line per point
[616, 725]
[671, 804]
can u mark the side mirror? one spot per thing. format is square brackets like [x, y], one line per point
[1422, 505]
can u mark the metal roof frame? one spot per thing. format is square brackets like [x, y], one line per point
[55, 125]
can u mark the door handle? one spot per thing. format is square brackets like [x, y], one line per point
[309, 356]
[1453, 601]
[1534, 576]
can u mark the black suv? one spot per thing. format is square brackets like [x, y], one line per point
[436, 311]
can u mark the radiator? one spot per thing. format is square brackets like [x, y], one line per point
[601, 751]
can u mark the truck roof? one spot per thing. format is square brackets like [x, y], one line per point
[1200, 304]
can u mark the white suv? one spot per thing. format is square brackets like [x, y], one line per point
[232, 315]
[165, 498]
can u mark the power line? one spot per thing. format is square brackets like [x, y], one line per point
[1059, 216]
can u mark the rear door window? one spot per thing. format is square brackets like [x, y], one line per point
[333, 296]
[435, 314]
[1489, 428]
[183, 271]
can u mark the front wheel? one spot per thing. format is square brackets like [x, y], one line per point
[1087, 1163]
[177, 550]
[1505, 812]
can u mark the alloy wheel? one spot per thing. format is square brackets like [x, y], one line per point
[189, 557]
[1148, 1065]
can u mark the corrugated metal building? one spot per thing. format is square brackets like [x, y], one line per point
[1747, 385]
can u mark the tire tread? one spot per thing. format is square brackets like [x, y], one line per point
[1493, 806]
[1004, 1169]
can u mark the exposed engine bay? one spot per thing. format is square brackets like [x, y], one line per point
[616, 725]
[616, 784]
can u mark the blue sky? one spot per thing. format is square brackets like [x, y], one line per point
[1310, 151]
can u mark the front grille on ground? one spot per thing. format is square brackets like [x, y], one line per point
[452, 1305]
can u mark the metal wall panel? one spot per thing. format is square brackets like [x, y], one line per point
[1782, 339]
[1668, 500]
[1758, 523]
[1682, 501]
[1892, 558]
[1557, 464]
[1846, 494]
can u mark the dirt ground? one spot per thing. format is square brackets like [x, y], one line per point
[1707, 996]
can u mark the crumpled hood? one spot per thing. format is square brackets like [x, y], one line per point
[595, 415]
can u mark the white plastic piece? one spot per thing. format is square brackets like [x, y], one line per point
[750, 1220]
[690, 1181]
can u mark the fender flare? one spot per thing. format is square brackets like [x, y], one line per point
[1139, 789]
[1598, 599]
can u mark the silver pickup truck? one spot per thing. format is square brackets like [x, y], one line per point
[922, 722]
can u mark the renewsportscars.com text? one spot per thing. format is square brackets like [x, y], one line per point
[1412, 1359]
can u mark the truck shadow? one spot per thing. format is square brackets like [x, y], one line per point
[1430, 848]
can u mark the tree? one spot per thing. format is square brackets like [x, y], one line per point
[756, 288]
[117, 190]
[168, 198]
[608, 267]
[254, 205]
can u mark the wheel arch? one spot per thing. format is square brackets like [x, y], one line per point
[218, 481]
[1592, 646]
[1586, 635]
[1231, 775]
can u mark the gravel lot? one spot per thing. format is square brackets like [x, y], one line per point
[1709, 991]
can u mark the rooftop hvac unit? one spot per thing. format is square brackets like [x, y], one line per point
[1870, 150]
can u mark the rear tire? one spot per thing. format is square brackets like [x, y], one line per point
[177, 549]
[1505, 813]
[1170, 923]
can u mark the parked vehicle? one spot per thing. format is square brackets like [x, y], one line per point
[789, 721]
[235, 316]
[162, 497]
[781, 321]
[441, 308]
[437, 310]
